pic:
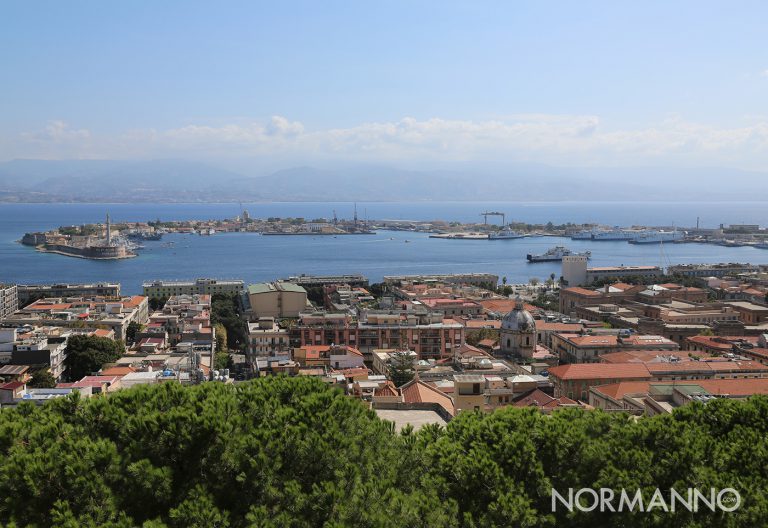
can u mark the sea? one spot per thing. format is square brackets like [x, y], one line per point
[256, 258]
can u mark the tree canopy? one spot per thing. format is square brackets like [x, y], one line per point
[295, 452]
[87, 354]
[224, 311]
[42, 378]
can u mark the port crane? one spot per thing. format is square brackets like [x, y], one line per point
[486, 214]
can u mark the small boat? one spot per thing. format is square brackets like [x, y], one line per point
[407, 241]
[556, 254]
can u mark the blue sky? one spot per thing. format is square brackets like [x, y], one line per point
[569, 83]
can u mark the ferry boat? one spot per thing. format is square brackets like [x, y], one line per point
[658, 237]
[583, 235]
[616, 234]
[505, 234]
[556, 254]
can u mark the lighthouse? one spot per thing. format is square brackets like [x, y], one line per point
[109, 232]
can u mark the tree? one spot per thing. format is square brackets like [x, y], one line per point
[42, 379]
[706, 332]
[157, 303]
[225, 311]
[130, 332]
[221, 337]
[533, 281]
[377, 289]
[221, 360]
[247, 455]
[87, 354]
[401, 369]
[504, 281]
[473, 337]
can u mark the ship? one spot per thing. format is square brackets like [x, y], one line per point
[616, 234]
[556, 254]
[658, 237]
[762, 245]
[505, 234]
[583, 235]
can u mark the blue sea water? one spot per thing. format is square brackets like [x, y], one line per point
[256, 258]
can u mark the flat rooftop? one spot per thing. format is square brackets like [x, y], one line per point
[417, 419]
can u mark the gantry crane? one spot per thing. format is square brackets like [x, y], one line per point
[486, 214]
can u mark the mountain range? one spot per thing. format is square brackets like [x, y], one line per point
[192, 181]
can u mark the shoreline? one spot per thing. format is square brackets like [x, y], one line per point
[64, 253]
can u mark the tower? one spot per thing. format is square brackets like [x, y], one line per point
[518, 332]
[109, 232]
[574, 270]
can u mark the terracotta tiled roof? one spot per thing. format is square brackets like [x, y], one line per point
[588, 371]
[558, 327]
[117, 371]
[536, 398]
[416, 391]
[732, 387]
[582, 291]
[386, 390]
[483, 323]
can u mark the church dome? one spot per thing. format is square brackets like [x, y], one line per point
[518, 320]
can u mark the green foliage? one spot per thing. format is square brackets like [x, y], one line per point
[377, 289]
[42, 379]
[294, 452]
[221, 360]
[224, 311]
[221, 337]
[157, 303]
[87, 354]
[401, 368]
[474, 336]
[316, 295]
[130, 332]
[683, 280]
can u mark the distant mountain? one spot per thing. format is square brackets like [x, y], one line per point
[191, 181]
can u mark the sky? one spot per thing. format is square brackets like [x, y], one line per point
[412, 83]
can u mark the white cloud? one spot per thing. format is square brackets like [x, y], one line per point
[57, 132]
[547, 138]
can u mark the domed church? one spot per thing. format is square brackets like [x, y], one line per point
[518, 332]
